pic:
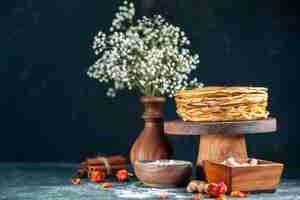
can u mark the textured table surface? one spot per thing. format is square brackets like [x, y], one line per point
[52, 181]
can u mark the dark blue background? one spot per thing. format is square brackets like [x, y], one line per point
[51, 111]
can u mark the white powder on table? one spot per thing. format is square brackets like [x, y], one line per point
[168, 162]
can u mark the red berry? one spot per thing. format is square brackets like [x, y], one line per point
[76, 181]
[97, 176]
[163, 196]
[122, 175]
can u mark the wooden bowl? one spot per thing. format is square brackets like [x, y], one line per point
[162, 175]
[263, 177]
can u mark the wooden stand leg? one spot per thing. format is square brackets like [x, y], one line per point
[218, 147]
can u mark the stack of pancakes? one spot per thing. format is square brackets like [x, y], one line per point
[222, 103]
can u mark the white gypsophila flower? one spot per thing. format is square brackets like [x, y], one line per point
[111, 92]
[99, 42]
[124, 15]
[150, 55]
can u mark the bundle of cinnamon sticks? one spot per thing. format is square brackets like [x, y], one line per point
[109, 165]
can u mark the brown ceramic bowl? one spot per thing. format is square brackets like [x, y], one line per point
[174, 174]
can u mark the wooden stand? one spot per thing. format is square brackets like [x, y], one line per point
[220, 140]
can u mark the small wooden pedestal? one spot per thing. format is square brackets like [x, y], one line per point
[220, 140]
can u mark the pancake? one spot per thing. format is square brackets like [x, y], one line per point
[222, 103]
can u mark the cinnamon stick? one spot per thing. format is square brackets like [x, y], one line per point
[113, 167]
[112, 160]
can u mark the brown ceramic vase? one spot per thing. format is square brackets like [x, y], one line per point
[152, 143]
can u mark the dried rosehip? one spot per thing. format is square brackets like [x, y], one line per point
[234, 194]
[76, 181]
[212, 190]
[239, 194]
[163, 196]
[222, 188]
[216, 189]
[97, 176]
[122, 175]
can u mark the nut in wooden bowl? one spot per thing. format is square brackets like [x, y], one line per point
[163, 173]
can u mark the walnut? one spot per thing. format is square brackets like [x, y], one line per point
[196, 186]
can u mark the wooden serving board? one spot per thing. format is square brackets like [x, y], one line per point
[179, 127]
